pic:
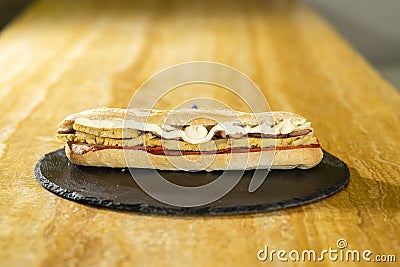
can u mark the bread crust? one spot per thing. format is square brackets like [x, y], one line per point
[303, 158]
[180, 117]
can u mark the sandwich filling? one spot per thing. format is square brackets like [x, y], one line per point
[287, 131]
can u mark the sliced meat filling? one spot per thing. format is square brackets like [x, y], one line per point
[79, 148]
[150, 140]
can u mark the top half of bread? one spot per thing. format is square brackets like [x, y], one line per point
[183, 117]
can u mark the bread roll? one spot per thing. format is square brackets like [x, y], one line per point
[189, 139]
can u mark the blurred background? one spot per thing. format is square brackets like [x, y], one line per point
[372, 27]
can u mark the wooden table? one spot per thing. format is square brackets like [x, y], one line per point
[61, 57]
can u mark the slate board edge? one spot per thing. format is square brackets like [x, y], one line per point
[182, 211]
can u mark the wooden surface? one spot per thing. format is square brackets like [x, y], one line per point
[61, 57]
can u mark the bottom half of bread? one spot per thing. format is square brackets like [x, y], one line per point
[303, 158]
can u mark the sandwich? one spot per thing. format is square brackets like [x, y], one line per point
[189, 139]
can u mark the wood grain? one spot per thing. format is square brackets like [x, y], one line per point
[61, 57]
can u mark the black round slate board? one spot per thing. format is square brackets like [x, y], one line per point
[116, 189]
